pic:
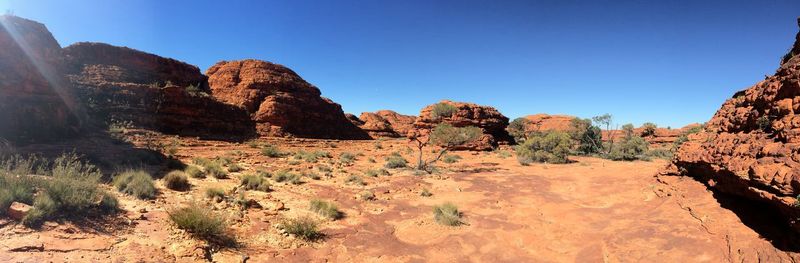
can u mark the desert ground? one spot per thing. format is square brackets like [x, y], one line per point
[591, 210]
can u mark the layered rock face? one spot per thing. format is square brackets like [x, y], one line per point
[386, 123]
[279, 101]
[123, 84]
[492, 123]
[545, 122]
[751, 147]
[35, 100]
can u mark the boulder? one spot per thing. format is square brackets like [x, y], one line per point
[488, 119]
[279, 101]
[751, 147]
[17, 211]
[123, 84]
[386, 123]
[35, 100]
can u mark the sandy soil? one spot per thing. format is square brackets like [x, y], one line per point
[592, 210]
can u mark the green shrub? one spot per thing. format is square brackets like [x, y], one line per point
[234, 168]
[324, 168]
[312, 175]
[325, 209]
[304, 228]
[447, 214]
[502, 154]
[588, 137]
[518, 128]
[255, 182]
[194, 172]
[355, 179]
[136, 183]
[649, 129]
[633, 148]
[550, 147]
[215, 170]
[425, 193]
[451, 158]
[367, 195]
[43, 207]
[253, 144]
[272, 152]
[347, 158]
[659, 154]
[376, 172]
[109, 203]
[176, 180]
[395, 160]
[215, 193]
[311, 157]
[201, 161]
[201, 222]
[443, 110]
[286, 176]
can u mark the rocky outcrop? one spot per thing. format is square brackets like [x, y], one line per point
[751, 147]
[35, 100]
[386, 123]
[545, 122]
[127, 85]
[279, 101]
[492, 123]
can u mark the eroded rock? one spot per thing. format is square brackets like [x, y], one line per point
[488, 119]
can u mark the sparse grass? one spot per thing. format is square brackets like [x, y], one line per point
[235, 168]
[347, 158]
[367, 195]
[272, 151]
[371, 160]
[194, 172]
[253, 144]
[215, 170]
[325, 209]
[395, 160]
[201, 222]
[176, 180]
[451, 158]
[502, 154]
[447, 214]
[286, 176]
[355, 179]
[255, 182]
[426, 193]
[324, 168]
[312, 175]
[311, 157]
[376, 172]
[137, 183]
[215, 193]
[303, 227]
[378, 146]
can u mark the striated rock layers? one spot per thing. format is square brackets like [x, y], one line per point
[279, 101]
[751, 147]
[492, 123]
[35, 100]
[123, 84]
[386, 123]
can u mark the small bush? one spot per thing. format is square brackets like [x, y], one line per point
[426, 193]
[312, 175]
[200, 222]
[325, 209]
[311, 157]
[272, 152]
[447, 214]
[660, 154]
[194, 172]
[43, 207]
[376, 172]
[255, 182]
[502, 154]
[215, 193]
[176, 180]
[367, 195]
[633, 148]
[355, 179]
[286, 176]
[586, 135]
[304, 228]
[550, 147]
[764, 123]
[324, 168]
[649, 129]
[109, 203]
[253, 144]
[443, 110]
[518, 128]
[450, 158]
[395, 160]
[235, 168]
[347, 158]
[201, 161]
[135, 183]
[215, 170]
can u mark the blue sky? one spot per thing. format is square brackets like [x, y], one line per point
[669, 62]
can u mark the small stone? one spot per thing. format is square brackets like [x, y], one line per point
[18, 210]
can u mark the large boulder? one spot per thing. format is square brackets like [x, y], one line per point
[488, 119]
[751, 147]
[279, 101]
[149, 91]
[35, 100]
[386, 123]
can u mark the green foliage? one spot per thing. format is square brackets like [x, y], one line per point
[451, 158]
[518, 128]
[649, 129]
[201, 222]
[304, 228]
[659, 154]
[215, 193]
[550, 147]
[376, 172]
[215, 170]
[43, 207]
[136, 183]
[311, 157]
[355, 179]
[324, 168]
[176, 180]
[234, 168]
[587, 136]
[447, 214]
[194, 172]
[447, 136]
[325, 209]
[367, 195]
[395, 160]
[272, 152]
[286, 176]
[502, 154]
[443, 110]
[255, 182]
[629, 149]
[347, 158]
[109, 203]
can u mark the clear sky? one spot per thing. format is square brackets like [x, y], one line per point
[669, 62]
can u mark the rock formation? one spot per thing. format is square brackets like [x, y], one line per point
[279, 101]
[751, 147]
[35, 100]
[492, 123]
[123, 84]
[386, 123]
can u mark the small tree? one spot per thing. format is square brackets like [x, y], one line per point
[649, 129]
[630, 149]
[605, 120]
[588, 136]
[443, 110]
[627, 129]
[446, 136]
[518, 128]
